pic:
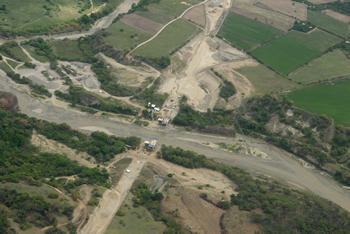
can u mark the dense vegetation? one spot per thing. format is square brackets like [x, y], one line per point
[303, 26]
[284, 210]
[227, 89]
[158, 63]
[150, 95]
[338, 6]
[141, 6]
[144, 197]
[7, 50]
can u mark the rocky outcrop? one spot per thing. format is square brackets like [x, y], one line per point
[8, 102]
[89, 99]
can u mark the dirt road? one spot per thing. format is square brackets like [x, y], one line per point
[111, 201]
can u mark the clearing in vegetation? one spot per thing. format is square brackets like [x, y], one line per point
[166, 10]
[331, 65]
[328, 23]
[67, 50]
[173, 36]
[246, 33]
[141, 23]
[294, 49]
[124, 37]
[266, 81]
[332, 100]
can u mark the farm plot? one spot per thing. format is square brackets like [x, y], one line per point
[246, 33]
[124, 37]
[37, 13]
[336, 15]
[166, 10]
[173, 36]
[330, 65]
[328, 23]
[294, 49]
[266, 81]
[288, 7]
[196, 15]
[142, 23]
[269, 15]
[332, 100]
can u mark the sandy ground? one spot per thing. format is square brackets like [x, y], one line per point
[196, 15]
[142, 23]
[288, 7]
[337, 15]
[51, 146]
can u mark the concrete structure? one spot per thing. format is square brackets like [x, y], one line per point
[151, 145]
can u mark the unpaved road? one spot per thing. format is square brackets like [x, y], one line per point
[283, 165]
[111, 201]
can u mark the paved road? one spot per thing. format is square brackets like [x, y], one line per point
[282, 165]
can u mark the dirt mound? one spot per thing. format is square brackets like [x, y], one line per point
[8, 102]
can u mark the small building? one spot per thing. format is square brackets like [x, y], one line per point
[160, 120]
[151, 145]
[153, 105]
[156, 109]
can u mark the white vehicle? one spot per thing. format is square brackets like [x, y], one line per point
[127, 171]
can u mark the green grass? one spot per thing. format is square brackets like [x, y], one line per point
[328, 23]
[246, 33]
[68, 49]
[13, 64]
[266, 81]
[121, 165]
[332, 100]
[4, 67]
[166, 10]
[294, 49]
[170, 38]
[137, 220]
[31, 51]
[122, 40]
[331, 65]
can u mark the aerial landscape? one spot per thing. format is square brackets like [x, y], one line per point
[171, 116]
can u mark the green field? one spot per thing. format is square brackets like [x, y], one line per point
[5, 67]
[328, 23]
[332, 100]
[137, 220]
[246, 33]
[170, 38]
[68, 49]
[31, 51]
[266, 81]
[294, 49]
[122, 40]
[166, 10]
[331, 65]
[13, 64]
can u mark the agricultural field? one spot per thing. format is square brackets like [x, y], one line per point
[196, 15]
[337, 15]
[294, 49]
[288, 7]
[166, 10]
[331, 65]
[173, 36]
[125, 37]
[141, 23]
[266, 81]
[328, 23]
[136, 220]
[37, 13]
[68, 49]
[332, 100]
[246, 33]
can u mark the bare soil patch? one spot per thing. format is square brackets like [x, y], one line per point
[337, 15]
[237, 221]
[51, 146]
[196, 15]
[261, 19]
[142, 23]
[287, 7]
[322, 1]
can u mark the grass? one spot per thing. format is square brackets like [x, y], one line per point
[137, 220]
[331, 100]
[173, 36]
[13, 64]
[166, 10]
[31, 51]
[31, 13]
[328, 23]
[121, 165]
[294, 49]
[122, 40]
[68, 49]
[331, 65]
[266, 81]
[246, 33]
[5, 67]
